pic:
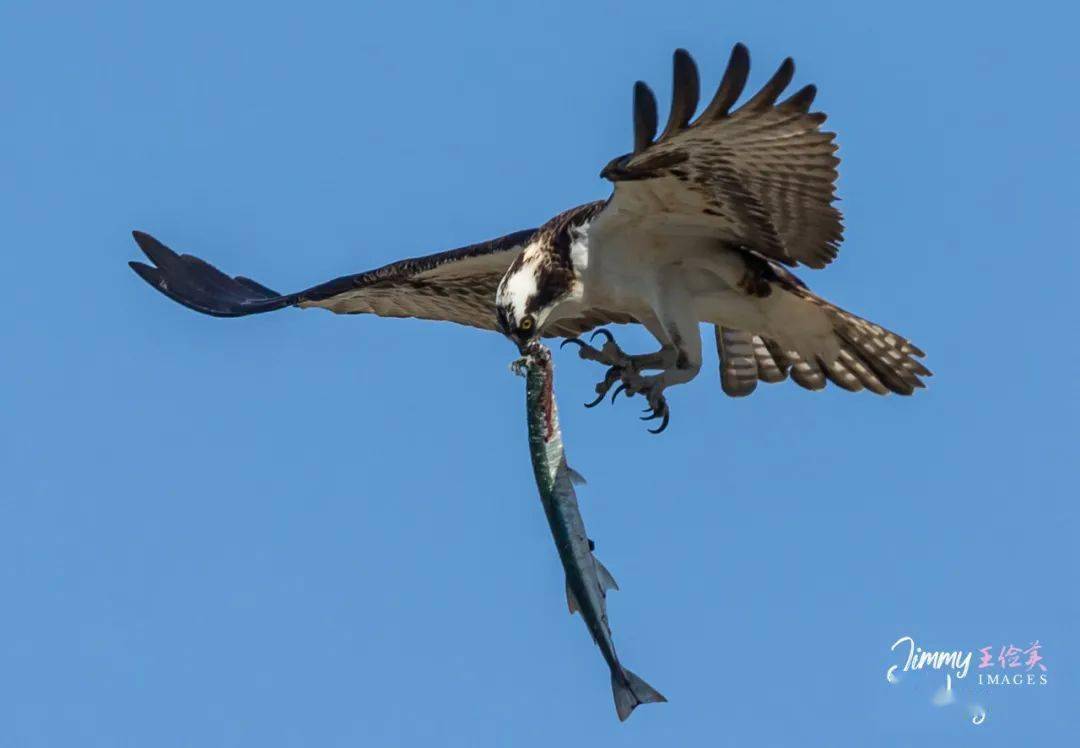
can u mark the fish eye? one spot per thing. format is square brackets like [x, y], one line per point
[526, 324]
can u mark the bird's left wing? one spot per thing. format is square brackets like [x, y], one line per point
[455, 286]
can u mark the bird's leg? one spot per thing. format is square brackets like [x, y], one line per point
[674, 323]
[626, 370]
[675, 363]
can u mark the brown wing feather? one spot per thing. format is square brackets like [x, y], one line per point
[762, 176]
[455, 286]
[461, 291]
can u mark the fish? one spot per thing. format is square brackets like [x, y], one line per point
[587, 580]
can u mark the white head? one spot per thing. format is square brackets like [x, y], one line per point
[533, 286]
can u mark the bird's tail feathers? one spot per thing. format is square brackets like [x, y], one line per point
[857, 355]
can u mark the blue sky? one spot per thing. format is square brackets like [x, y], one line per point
[301, 529]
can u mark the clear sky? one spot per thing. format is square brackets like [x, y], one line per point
[306, 530]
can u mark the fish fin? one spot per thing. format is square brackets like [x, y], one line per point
[571, 601]
[630, 691]
[607, 582]
[575, 477]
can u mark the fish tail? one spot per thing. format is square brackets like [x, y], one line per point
[629, 691]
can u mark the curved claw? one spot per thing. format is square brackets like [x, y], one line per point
[620, 388]
[660, 410]
[602, 331]
[663, 424]
[597, 401]
[604, 387]
[576, 341]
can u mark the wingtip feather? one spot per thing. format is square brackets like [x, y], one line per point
[645, 116]
[731, 85]
[144, 271]
[801, 100]
[685, 90]
[158, 253]
[775, 86]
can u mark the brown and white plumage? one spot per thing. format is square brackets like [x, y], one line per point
[759, 180]
[454, 286]
[761, 176]
[702, 221]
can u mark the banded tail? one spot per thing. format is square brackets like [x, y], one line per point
[855, 355]
[629, 691]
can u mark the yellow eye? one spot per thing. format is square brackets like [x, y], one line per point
[526, 324]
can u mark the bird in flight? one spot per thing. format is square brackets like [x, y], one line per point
[702, 224]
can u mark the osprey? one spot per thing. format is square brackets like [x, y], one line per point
[699, 228]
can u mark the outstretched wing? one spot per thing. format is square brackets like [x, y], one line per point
[456, 286]
[761, 176]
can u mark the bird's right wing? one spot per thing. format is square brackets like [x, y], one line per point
[761, 177]
[455, 286]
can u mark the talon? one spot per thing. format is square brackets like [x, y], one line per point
[620, 388]
[602, 331]
[576, 341]
[660, 410]
[603, 387]
[663, 424]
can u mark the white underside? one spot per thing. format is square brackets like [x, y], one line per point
[673, 283]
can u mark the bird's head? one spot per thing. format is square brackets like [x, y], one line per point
[532, 288]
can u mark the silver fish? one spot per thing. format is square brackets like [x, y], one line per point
[587, 581]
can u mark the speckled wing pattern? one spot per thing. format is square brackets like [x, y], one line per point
[761, 176]
[455, 286]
